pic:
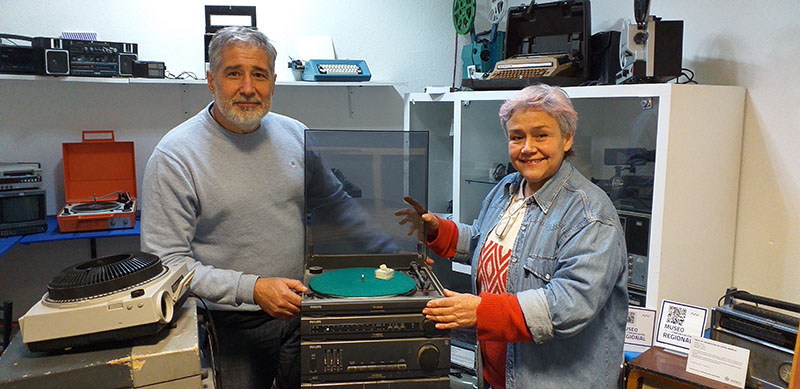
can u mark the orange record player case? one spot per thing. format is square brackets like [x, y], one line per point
[96, 167]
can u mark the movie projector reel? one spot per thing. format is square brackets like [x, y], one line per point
[486, 48]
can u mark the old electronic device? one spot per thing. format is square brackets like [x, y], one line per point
[74, 57]
[651, 49]
[485, 48]
[22, 211]
[22, 199]
[605, 57]
[636, 226]
[16, 59]
[220, 16]
[20, 175]
[149, 69]
[359, 330]
[479, 57]
[557, 30]
[769, 333]
[107, 299]
[99, 184]
[336, 70]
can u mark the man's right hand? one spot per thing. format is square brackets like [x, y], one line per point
[277, 297]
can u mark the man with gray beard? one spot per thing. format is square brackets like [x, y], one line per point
[223, 192]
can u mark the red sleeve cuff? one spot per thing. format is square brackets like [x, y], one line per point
[444, 245]
[500, 318]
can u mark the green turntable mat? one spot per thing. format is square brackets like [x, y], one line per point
[348, 283]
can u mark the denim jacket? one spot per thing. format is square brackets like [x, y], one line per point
[568, 271]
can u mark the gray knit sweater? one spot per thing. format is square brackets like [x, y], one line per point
[229, 205]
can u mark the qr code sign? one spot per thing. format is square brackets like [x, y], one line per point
[631, 317]
[676, 315]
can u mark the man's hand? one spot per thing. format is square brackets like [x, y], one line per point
[457, 310]
[277, 297]
[417, 217]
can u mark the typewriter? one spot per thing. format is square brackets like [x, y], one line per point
[529, 66]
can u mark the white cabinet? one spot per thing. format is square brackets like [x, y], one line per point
[676, 149]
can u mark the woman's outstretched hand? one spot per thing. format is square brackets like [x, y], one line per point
[419, 217]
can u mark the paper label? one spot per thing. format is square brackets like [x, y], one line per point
[718, 361]
[639, 329]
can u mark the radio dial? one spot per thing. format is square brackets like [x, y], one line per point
[428, 356]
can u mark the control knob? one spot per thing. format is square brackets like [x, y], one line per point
[428, 356]
[429, 328]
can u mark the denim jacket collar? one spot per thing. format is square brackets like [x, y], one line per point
[545, 196]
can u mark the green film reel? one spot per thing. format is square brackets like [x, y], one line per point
[463, 15]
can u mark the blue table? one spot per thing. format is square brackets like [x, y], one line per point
[7, 244]
[53, 234]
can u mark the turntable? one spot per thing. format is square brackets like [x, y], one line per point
[107, 299]
[361, 322]
[99, 183]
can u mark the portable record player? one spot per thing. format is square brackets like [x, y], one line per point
[113, 298]
[99, 183]
[361, 319]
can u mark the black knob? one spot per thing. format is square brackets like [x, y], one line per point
[429, 328]
[428, 357]
[315, 269]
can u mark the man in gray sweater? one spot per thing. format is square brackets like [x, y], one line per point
[223, 192]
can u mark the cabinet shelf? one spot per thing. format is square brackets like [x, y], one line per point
[687, 188]
[138, 80]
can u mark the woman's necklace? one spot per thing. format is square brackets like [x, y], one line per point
[509, 217]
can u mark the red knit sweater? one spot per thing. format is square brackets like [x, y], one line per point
[500, 318]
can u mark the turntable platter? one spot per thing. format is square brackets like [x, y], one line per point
[350, 283]
[96, 206]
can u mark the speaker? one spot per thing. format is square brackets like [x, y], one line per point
[126, 64]
[56, 62]
[605, 57]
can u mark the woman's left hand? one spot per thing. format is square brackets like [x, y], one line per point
[456, 310]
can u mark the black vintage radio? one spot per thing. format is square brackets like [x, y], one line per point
[72, 57]
[769, 334]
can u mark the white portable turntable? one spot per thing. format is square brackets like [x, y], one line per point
[113, 298]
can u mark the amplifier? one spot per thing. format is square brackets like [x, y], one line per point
[387, 359]
[411, 383]
[70, 57]
[368, 327]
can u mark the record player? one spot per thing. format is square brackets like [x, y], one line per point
[99, 183]
[361, 319]
[107, 299]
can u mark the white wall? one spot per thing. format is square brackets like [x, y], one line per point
[736, 42]
[408, 42]
[753, 44]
